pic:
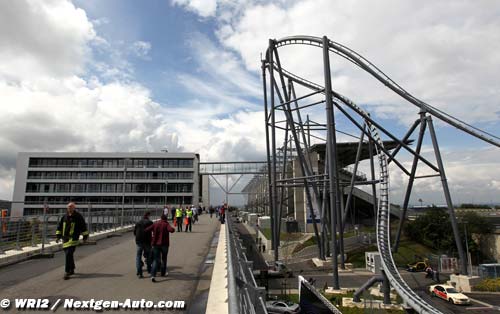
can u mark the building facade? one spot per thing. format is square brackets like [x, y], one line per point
[105, 181]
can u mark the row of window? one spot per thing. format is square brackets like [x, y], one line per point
[108, 187]
[110, 163]
[83, 201]
[109, 175]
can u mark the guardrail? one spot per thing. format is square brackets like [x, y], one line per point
[245, 296]
[19, 232]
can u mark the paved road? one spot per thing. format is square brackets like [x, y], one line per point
[107, 271]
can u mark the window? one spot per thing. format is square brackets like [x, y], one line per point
[78, 188]
[108, 188]
[93, 188]
[186, 163]
[156, 188]
[63, 188]
[172, 163]
[185, 175]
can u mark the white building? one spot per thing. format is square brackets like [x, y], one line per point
[106, 181]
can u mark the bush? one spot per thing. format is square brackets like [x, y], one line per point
[491, 285]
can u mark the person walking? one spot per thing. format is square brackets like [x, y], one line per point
[172, 211]
[195, 214]
[143, 242]
[160, 242]
[69, 229]
[166, 210]
[222, 213]
[189, 219]
[211, 210]
[178, 217]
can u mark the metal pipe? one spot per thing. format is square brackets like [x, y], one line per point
[411, 179]
[334, 205]
[447, 196]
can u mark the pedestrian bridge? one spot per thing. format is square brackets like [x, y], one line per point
[105, 270]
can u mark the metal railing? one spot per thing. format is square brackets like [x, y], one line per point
[19, 232]
[245, 296]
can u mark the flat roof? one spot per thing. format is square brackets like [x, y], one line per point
[108, 155]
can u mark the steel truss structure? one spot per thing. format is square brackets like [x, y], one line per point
[231, 168]
[288, 142]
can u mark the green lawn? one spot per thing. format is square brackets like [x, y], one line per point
[405, 255]
[284, 236]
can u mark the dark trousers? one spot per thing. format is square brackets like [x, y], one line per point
[70, 260]
[160, 254]
[190, 222]
[173, 215]
[143, 249]
[179, 224]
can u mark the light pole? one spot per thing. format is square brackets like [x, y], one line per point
[469, 260]
[125, 161]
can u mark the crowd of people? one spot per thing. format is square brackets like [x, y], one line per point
[152, 238]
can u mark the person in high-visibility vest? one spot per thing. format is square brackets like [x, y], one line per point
[69, 229]
[178, 217]
[189, 219]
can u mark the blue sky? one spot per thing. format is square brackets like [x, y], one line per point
[185, 75]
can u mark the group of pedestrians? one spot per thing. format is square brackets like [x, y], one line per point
[153, 241]
[188, 215]
[220, 212]
[152, 238]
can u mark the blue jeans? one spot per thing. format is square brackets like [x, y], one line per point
[159, 260]
[143, 249]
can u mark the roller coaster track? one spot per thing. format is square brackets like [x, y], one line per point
[410, 298]
[369, 67]
[383, 214]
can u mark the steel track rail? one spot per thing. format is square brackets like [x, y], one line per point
[369, 67]
[411, 299]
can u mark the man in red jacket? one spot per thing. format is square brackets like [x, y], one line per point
[160, 242]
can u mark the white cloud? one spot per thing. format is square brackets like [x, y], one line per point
[41, 38]
[141, 49]
[49, 105]
[204, 8]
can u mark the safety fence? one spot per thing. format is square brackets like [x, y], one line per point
[19, 232]
[245, 296]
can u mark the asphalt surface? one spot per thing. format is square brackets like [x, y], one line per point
[107, 271]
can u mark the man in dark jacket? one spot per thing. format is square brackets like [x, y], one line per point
[160, 242]
[143, 241]
[69, 229]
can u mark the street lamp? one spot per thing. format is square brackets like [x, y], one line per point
[125, 161]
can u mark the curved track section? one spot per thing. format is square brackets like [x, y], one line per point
[383, 214]
[369, 67]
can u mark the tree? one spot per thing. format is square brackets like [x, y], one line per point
[434, 230]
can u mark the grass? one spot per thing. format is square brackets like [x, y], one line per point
[492, 285]
[405, 255]
[357, 257]
[284, 236]
[407, 251]
[309, 242]
[312, 241]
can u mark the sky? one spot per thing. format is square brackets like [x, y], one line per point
[184, 75]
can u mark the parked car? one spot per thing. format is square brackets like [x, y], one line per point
[449, 293]
[282, 307]
[418, 266]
